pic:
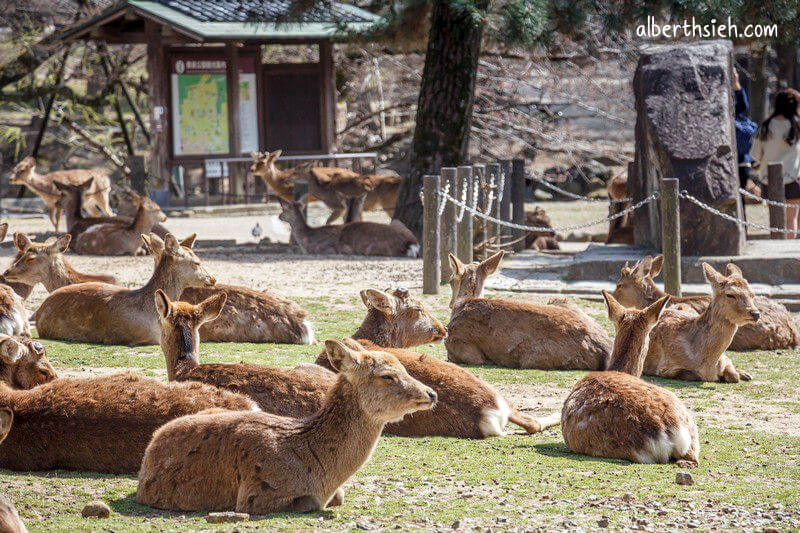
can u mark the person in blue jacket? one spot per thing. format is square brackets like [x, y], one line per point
[745, 131]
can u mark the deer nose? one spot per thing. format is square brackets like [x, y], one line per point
[755, 315]
[433, 397]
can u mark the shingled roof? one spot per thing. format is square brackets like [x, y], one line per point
[265, 11]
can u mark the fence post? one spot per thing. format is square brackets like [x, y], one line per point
[671, 236]
[505, 205]
[775, 192]
[493, 176]
[430, 235]
[479, 181]
[447, 223]
[464, 238]
[518, 201]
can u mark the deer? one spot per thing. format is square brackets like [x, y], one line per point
[540, 240]
[774, 330]
[385, 189]
[118, 237]
[10, 522]
[95, 198]
[342, 191]
[13, 315]
[280, 181]
[555, 336]
[617, 415]
[294, 392]
[353, 238]
[22, 290]
[248, 315]
[45, 263]
[24, 363]
[468, 407]
[110, 420]
[690, 346]
[107, 314]
[620, 230]
[263, 463]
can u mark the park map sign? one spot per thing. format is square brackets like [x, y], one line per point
[200, 106]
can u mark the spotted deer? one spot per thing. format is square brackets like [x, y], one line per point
[294, 392]
[353, 238]
[45, 263]
[10, 522]
[96, 197]
[468, 407]
[518, 335]
[688, 346]
[118, 237]
[108, 314]
[615, 414]
[248, 315]
[24, 363]
[280, 181]
[774, 330]
[260, 463]
[110, 420]
[22, 290]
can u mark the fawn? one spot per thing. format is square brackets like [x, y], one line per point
[518, 335]
[10, 522]
[42, 185]
[616, 414]
[282, 391]
[45, 263]
[118, 237]
[774, 330]
[261, 463]
[24, 363]
[100, 424]
[685, 345]
[108, 314]
[353, 238]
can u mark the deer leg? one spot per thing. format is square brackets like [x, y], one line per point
[55, 217]
[337, 499]
[337, 212]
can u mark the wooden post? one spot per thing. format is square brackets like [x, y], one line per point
[518, 202]
[671, 235]
[430, 235]
[327, 96]
[505, 204]
[479, 181]
[234, 120]
[448, 223]
[493, 175]
[776, 192]
[464, 237]
[138, 174]
[158, 90]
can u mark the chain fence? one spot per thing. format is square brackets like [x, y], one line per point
[575, 196]
[762, 200]
[686, 196]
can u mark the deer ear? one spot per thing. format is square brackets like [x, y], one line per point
[382, 301]
[276, 154]
[211, 307]
[656, 265]
[60, 244]
[188, 242]
[342, 358]
[11, 351]
[171, 243]
[353, 345]
[625, 271]
[163, 305]
[86, 184]
[21, 241]
[63, 187]
[455, 265]
[6, 420]
[3, 230]
[733, 270]
[714, 278]
[489, 266]
[642, 268]
[615, 309]
[653, 311]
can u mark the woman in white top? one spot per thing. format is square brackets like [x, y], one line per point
[778, 141]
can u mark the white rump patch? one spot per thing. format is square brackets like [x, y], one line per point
[12, 324]
[413, 250]
[255, 408]
[493, 421]
[308, 333]
[658, 450]
[681, 441]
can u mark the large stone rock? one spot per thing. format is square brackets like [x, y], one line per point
[685, 130]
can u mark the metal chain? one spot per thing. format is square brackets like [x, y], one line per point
[577, 196]
[687, 196]
[747, 193]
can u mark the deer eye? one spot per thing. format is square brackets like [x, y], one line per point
[731, 296]
[389, 377]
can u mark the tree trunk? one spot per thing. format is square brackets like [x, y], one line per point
[759, 92]
[787, 65]
[444, 109]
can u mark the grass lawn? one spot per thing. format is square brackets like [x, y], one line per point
[749, 473]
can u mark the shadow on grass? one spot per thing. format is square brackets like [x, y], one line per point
[559, 450]
[64, 474]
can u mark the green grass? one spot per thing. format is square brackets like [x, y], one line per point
[508, 482]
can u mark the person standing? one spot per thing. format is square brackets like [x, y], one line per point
[778, 141]
[745, 130]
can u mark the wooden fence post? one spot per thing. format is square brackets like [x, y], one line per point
[464, 238]
[518, 201]
[493, 175]
[505, 205]
[430, 235]
[671, 236]
[776, 192]
[479, 181]
[448, 223]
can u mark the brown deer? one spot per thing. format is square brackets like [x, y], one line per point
[24, 363]
[110, 420]
[120, 238]
[774, 330]
[518, 335]
[280, 181]
[615, 414]
[45, 263]
[281, 391]
[540, 240]
[343, 191]
[620, 230]
[248, 315]
[13, 315]
[385, 188]
[685, 345]
[262, 463]
[22, 290]
[353, 238]
[108, 314]
[10, 522]
[95, 197]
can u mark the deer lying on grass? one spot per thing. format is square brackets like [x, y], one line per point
[260, 463]
[774, 330]
[280, 181]
[95, 197]
[620, 230]
[616, 414]
[248, 315]
[110, 420]
[540, 240]
[685, 345]
[45, 263]
[294, 392]
[468, 407]
[24, 363]
[518, 335]
[119, 237]
[22, 290]
[10, 522]
[353, 238]
[108, 314]
[13, 315]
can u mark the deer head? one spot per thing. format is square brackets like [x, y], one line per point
[731, 295]
[635, 287]
[398, 320]
[34, 261]
[178, 260]
[22, 171]
[24, 363]
[467, 280]
[632, 328]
